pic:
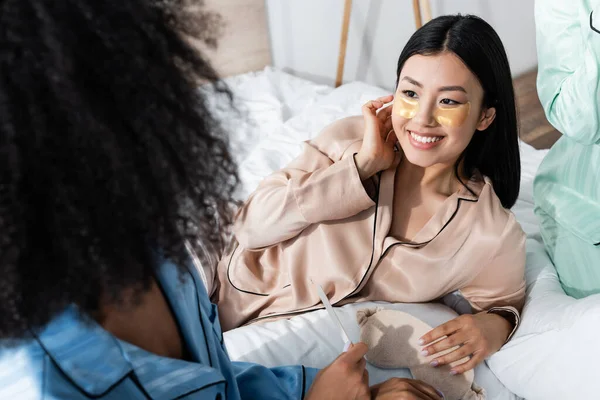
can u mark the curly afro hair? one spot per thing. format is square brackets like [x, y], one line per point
[108, 151]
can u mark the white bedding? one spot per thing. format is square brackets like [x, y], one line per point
[552, 355]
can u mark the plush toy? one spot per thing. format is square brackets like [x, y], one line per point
[392, 337]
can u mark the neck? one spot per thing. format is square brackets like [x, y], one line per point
[439, 177]
[147, 323]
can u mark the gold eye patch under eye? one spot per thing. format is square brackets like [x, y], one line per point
[449, 116]
[452, 117]
[406, 108]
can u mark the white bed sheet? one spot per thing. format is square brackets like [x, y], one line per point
[553, 353]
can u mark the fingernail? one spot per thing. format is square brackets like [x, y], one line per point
[441, 394]
[424, 353]
[434, 363]
[453, 372]
[421, 341]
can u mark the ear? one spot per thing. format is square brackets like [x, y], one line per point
[487, 117]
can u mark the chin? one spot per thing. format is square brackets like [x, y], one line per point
[420, 160]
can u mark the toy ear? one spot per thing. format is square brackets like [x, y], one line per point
[362, 316]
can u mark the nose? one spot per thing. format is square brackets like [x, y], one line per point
[424, 116]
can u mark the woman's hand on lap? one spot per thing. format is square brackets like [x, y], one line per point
[478, 337]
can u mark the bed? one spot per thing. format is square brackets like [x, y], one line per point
[552, 355]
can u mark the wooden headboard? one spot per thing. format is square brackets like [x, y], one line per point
[421, 8]
[243, 44]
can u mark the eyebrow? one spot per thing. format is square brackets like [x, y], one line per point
[442, 89]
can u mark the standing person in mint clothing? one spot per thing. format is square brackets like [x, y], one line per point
[567, 186]
[110, 165]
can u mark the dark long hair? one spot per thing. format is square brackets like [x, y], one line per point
[495, 151]
[108, 151]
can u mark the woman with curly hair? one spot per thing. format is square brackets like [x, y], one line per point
[111, 168]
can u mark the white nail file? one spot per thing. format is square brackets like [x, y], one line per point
[332, 314]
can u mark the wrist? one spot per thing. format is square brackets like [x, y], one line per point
[503, 324]
[365, 167]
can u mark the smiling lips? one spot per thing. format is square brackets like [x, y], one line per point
[424, 142]
[425, 139]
